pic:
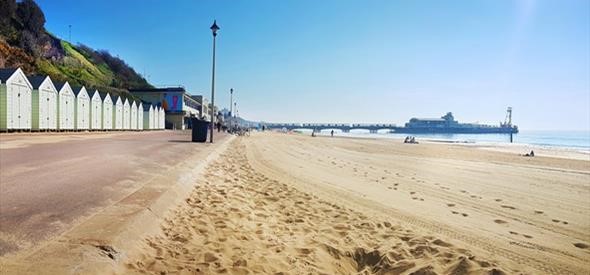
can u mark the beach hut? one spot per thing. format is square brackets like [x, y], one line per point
[82, 109]
[148, 113]
[107, 111]
[15, 100]
[44, 103]
[117, 113]
[65, 106]
[162, 118]
[133, 122]
[156, 117]
[126, 114]
[140, 116]
[95, 111]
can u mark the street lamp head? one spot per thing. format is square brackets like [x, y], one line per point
[231, 90]
[214, 28]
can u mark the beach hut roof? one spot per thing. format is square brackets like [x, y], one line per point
[60, 85]
[6, 73]
[77, 89]
[103, 95]
[37, 80]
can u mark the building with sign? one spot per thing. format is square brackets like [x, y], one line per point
[177, 104]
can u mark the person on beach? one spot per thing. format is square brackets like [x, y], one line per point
[332, 133]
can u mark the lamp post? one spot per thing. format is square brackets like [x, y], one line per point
[214, 29]
[231, 100]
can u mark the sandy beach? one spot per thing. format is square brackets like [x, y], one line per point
[293, 204]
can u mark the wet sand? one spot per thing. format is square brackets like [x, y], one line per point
[297, 205]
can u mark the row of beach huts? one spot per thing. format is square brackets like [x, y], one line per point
[36, 103]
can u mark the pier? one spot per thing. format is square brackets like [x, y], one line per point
[344, 127]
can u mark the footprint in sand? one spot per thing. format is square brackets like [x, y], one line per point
[564, 222]
[498, 221]
[556, 221]
[412, 193]
[450, 204]
[538, 212]
[508, 207]
[455, 212]
[304, 251]
[527, 236]
[513, 233]
[581, 245]
[464, 214]
[498, 200]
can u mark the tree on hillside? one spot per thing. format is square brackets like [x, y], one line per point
[7, 11]
[31, 16]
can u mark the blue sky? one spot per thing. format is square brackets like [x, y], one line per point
[356, 61]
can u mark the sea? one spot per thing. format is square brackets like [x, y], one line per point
[578, 140]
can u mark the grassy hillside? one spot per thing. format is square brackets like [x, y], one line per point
[25, 43]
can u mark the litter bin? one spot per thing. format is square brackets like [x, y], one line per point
[199, 132]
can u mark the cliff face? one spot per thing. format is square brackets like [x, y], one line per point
[25, 43]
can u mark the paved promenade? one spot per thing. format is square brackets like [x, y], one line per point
[50, 183]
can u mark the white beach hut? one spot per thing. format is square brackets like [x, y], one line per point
[107, 111]
[82, 109]
[140, 116]
[44, 103]
[66, 101]
[117, 112]
[148, 116]
[133, 122]
[15, 100]
[155, 118]
[162, 118]
[126, 114]
[95, 111]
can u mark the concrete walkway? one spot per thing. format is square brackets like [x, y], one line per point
[85, 195]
